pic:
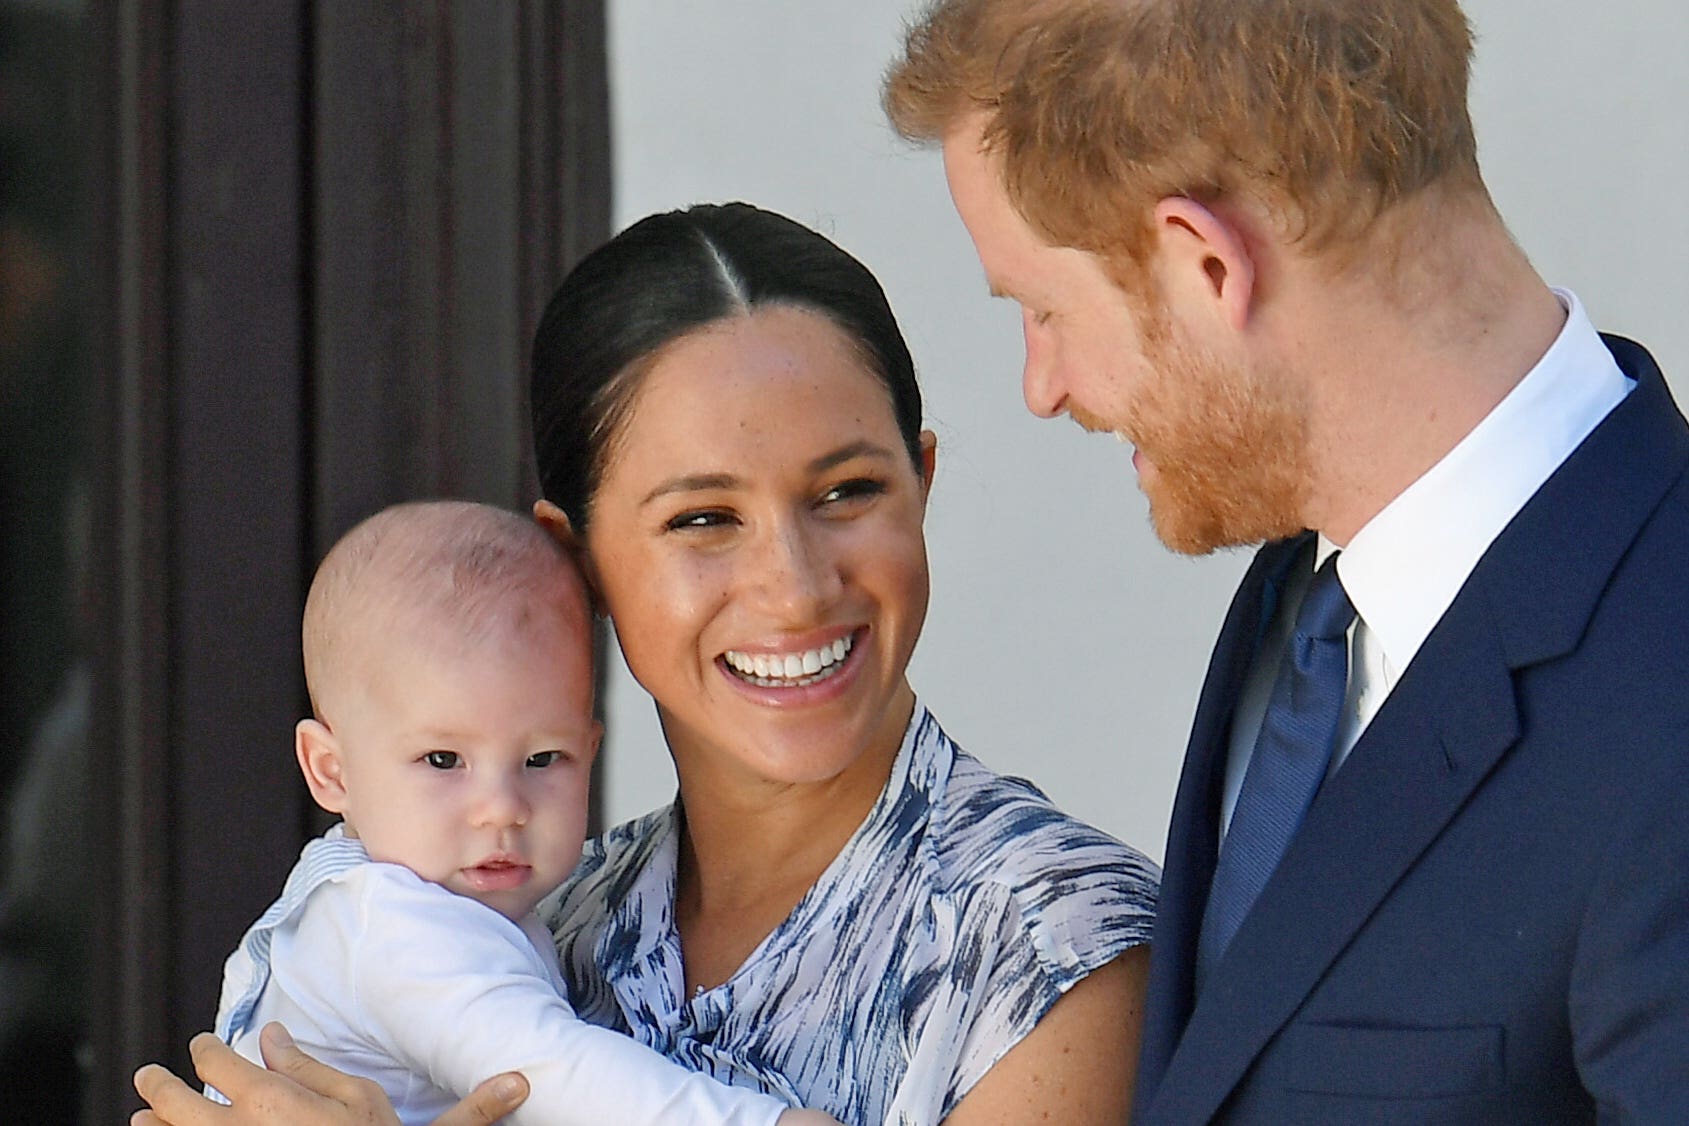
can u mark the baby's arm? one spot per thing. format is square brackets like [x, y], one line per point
[458, 994]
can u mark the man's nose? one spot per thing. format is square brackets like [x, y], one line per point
[1039, 383]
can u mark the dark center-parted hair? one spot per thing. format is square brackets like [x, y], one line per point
[669, 275]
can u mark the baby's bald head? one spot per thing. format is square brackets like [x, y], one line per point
[447, 574]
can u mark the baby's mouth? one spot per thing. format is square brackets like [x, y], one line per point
[498, 872]
[790, 670]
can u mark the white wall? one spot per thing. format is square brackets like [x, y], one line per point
[1063, 642]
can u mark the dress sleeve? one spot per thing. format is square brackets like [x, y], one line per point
[457, 993]
[1066, 902]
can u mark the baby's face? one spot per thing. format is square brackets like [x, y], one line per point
[471, 768]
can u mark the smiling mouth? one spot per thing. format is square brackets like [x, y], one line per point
[790, 670]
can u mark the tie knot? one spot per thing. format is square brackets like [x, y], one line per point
[1326, 610]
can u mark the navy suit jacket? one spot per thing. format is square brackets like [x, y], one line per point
[1485, 916]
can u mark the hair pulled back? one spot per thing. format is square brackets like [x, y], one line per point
[671, 274]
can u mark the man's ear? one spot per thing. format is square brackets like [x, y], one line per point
[321, 763]
[556, 523]
[1206, 255]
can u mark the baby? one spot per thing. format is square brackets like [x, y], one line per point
[448, 657]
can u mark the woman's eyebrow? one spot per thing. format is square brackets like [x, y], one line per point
[701, 482]
[691, 483]
[862, 448]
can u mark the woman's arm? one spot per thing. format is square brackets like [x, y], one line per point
[1077, 1065]
[296, 1091]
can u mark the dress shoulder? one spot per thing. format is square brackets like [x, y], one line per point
[610, 865]
[1082, 895]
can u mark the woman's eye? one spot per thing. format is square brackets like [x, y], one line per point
[544, 759]
[698, 518]
[854, 489]
[441, 760]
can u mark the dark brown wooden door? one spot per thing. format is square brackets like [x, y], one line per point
[296, 250]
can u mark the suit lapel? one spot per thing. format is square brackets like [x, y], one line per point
[1429, 747]
[1194, 831]
[1449, 720]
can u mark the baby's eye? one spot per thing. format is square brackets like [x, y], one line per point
[441, 760]
[544, 759]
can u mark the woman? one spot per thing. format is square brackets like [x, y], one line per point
[841, 907]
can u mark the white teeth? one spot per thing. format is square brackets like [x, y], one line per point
[784, 670]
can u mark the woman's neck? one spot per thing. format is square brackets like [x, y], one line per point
[751, 849]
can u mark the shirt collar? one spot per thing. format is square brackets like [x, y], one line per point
[1404, 568]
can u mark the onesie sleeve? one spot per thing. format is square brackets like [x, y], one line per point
[458, 993]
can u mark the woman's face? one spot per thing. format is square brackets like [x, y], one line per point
[757, 541]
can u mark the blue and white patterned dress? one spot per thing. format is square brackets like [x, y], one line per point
[963, 907]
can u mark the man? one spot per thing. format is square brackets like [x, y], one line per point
[1429, 859]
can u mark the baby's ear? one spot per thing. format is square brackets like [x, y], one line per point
[556, 523]
[320, 762]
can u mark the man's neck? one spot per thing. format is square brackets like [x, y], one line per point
[1402, 369]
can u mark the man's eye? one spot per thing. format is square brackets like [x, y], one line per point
[544, 759]
[441, 760]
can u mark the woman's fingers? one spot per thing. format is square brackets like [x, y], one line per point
[284, 1057]
[295, 1090]
[488, 1103]
[309, 1082]
[173, 1102]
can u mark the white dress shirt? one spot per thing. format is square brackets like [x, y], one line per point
[1405, 566]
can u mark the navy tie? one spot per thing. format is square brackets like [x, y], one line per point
[1291, 756]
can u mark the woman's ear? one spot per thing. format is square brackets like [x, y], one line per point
[1205, 255]
[321, 763]
[929, 461]
[556, 523]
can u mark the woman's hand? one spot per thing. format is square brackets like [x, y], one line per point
[296, 1091]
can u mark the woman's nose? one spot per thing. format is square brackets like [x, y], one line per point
[797, 572]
